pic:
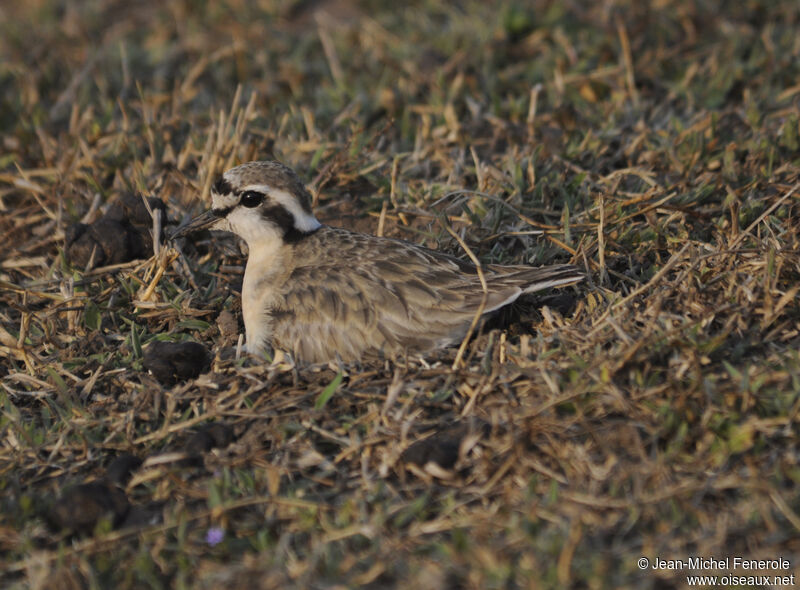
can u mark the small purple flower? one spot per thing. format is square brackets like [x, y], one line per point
[214, 535]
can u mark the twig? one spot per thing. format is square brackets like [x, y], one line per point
[481, 307]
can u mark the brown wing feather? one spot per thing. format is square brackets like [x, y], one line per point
[391, 297]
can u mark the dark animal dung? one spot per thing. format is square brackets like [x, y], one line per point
[171, 362]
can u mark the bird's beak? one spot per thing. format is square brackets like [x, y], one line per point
[202, 221]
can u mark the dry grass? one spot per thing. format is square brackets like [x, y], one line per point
[652, 411]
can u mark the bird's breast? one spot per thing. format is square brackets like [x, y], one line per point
[261, 288]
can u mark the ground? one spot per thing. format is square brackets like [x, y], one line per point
[649, 412]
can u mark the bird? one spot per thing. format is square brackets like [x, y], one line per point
[326, 294]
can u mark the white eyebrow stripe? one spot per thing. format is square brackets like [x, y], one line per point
[223, 201]
[303, 221]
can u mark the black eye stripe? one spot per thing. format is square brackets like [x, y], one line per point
[280, 216]
[283, 218]
[222, 212]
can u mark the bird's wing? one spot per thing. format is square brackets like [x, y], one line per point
[390, 296]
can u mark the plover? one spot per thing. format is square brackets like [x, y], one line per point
[324, 293]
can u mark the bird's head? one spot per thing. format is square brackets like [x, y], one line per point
[258, 201]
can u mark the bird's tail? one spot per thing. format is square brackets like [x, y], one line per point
[546, 277]
[507, 283]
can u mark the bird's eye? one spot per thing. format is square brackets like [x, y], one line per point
[252, 199]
